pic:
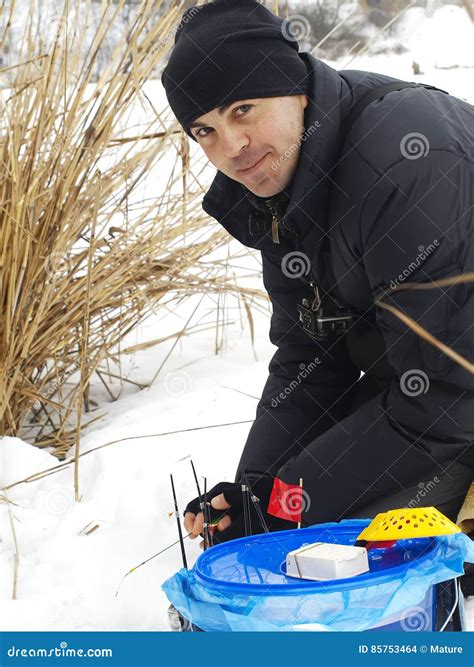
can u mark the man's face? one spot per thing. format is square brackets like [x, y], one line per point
[255, 142]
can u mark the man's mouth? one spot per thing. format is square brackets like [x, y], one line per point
[248, 170]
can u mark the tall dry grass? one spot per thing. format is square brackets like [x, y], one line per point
[88, 247]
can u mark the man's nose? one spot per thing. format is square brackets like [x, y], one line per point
[233, 142]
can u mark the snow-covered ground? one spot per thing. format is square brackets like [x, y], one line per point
[67, 579]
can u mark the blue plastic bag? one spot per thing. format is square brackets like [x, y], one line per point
[242, 586]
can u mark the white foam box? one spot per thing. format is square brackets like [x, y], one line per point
[325, 561]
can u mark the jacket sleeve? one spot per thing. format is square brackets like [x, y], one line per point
[415, 226]
[308, 387]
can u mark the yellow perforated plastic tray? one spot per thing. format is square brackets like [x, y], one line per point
[406, 523]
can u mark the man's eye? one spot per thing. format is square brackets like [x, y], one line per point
[198, 133]
[246, 107]
[204, 131]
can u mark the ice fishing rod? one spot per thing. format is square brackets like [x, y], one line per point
[246, 509]
[148, 560]
[207, 518]
[180, 532]
[253, 497]
[256, 503]
[180, 541]
[204, 508]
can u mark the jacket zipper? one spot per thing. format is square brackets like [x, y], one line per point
[316, 302]
[275, 233]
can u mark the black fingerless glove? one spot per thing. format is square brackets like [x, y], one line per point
[231, 494]
[261, 487]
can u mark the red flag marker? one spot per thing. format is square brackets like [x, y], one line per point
[286, 501]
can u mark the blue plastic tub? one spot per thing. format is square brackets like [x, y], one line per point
[242, 585]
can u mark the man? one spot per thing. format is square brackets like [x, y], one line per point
[349, 198]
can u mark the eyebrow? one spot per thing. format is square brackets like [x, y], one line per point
[221, 110]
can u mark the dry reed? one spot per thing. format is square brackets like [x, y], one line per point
[87, 253]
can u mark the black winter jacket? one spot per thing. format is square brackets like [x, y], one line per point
[368, 216]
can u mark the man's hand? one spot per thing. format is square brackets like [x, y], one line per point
[194, 523]
[220, 508]
[226, 507]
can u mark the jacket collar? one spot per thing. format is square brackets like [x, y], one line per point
[231, 204]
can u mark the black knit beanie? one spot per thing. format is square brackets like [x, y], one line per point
[230, 50]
